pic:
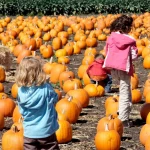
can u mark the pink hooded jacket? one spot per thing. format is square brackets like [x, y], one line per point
[120, 51]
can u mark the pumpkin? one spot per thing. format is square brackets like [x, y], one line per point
[103, 142]
[2, 122]
[70, 109]
[134, 81]
[2, 95]
[91, 42]
[88, 59]
[58, 93]
[15, 139]
[136, 96]
[47, 67]
[70, 84]
[69, 49]
[7, 106]
[111, 99]
[64, 76]
[18, 49]
[62, 116]
[1, 87]
[64, 133]
[16, 114]
[102, 37]
[146, 62]
[60, 52]
[86, 79]
[14, 90]
[94, 90]
[56, 43]
[145, 109]
[147, 98]
[81, 95]
[147, 145]
[113, 124]
[144, 133]
[90, 50]
[47, 52]
[81, 70]
[2, 74]
[30, 43]
[76, 49]
[55, 72]
[63, 60]
[47, 36]
[18, 124]
[23, 54]
[112, 108]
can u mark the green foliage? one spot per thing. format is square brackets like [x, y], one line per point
[71, 7]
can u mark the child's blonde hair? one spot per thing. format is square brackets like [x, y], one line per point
[30, 72]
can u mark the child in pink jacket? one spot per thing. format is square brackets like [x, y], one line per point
[97, 73]
[120, 51]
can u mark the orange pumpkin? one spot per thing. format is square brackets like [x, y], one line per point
[70, 109]
[134, 81]
[145, 109]
[2, 74]
[70, 84]
[113, 124]
[2, 122]
[55, 72]
[136, 96]
[144, 133]
[103, 142]
[15, 139]
[64, 76]
[94, 90]
[81, 95]
[7, 106]
[14, 90]
[1, 87]
[57, 43]
[64, 133]
[16, 114]
[147, 145]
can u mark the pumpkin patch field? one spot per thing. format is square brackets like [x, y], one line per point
[66, 45]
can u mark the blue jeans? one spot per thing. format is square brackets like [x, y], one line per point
[106, 83]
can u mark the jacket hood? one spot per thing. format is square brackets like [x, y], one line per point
[121, 41]
[32, 97]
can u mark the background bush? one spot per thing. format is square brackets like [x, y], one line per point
[72, 7]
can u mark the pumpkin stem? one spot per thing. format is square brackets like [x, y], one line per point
[75, 86]
[51, 59]
[110, 117]
[30, 48]
[34, 53]
[106, 127]
[20, 119]
[96, 83]
[4, 96]
[70, 98]
[15, 129]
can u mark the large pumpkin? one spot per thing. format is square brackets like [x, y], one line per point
[7, 106]
[81, 95]
[14, 138]
[55, 72]
[113, 124]
[70, 109]
[64, 133]
[103, 142]
[144, 133]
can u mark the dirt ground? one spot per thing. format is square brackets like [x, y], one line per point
[84, 130]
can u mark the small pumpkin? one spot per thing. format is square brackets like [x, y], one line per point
[145, 109]
[136, 96]
[14, 90]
